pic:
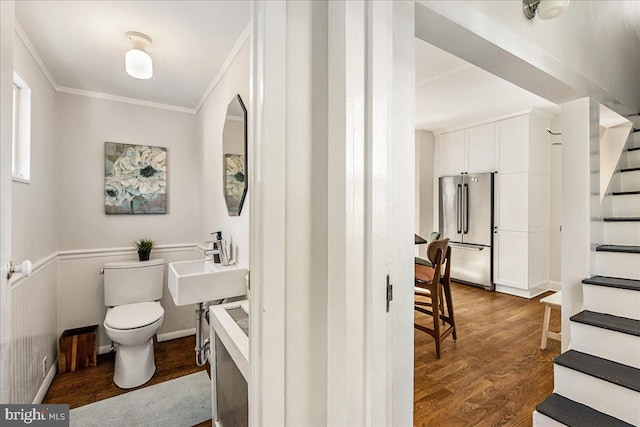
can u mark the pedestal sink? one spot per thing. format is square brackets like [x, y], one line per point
[193, 282]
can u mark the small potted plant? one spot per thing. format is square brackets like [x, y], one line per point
[144, 247]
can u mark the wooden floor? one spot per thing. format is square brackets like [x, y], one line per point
[495, 373]
[174, 359]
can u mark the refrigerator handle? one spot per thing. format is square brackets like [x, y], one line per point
[465, 214]
[459, 208]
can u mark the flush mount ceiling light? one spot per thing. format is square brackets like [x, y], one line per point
[137, 61]
[547, 9]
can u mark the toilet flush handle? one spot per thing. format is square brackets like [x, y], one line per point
[24, 268]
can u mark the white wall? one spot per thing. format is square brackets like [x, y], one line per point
[88, 237]
[555, 205]
[211, 214]
[425, 197]
[579, 137]
[84, 125]
[34, 232]
[34, 204]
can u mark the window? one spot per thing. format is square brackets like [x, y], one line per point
[21, 160]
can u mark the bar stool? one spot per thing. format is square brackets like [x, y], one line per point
[431, 282]
[552, 301]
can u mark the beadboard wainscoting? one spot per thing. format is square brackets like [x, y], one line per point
[65, 290]
[33, 329]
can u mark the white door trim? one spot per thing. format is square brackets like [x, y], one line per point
[267, 214]
[7, 20]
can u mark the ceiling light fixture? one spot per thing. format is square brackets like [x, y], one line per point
[547, 9]
[137, 61]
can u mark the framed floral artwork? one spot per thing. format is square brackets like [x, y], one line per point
[135, 179]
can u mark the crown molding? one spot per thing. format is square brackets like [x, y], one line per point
[123, 99]
[91, 94]
[35, 55]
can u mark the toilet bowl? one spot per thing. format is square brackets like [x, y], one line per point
[132, 327]
[132, 290]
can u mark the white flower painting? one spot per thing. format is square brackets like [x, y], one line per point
[135, 179]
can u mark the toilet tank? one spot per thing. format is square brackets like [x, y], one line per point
[129, 282]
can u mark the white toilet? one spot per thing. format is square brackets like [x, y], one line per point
[132, 291]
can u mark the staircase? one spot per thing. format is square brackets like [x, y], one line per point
[597, 382]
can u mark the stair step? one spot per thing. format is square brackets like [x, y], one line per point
[574, 414]
[625, 181]
[630, 169]
[603, 369]
[609, 322]
[619, 248]
[625, 193]
[618, 264]
[613, 282]
[622, 218]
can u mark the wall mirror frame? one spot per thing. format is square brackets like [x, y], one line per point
[234, 156]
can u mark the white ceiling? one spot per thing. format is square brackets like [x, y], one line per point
[82, 44]
[451, 92]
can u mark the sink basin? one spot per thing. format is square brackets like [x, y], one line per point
[193, 282]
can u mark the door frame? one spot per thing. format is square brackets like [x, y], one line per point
[7, 19]
[369, 218]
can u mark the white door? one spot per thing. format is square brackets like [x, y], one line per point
[513, 144]
[6, 120]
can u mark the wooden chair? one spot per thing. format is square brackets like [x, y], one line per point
[435, 284]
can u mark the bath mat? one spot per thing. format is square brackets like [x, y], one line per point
[183, 401]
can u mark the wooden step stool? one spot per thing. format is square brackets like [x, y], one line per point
[551, 301]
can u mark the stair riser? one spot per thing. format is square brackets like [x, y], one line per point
[622, 233]
[541, 420]
[611, 345]
[603, 396]
[616, 264]
[629, 181]
[627, 205]
[631, 159]
[614, 301]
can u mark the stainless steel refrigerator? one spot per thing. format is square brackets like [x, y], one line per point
[466, 218]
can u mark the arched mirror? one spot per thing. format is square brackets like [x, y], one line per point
[234, 148]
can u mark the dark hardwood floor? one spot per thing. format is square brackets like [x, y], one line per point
[495, 373]
[174, 359]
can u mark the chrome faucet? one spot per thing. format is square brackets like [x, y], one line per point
[210, 251]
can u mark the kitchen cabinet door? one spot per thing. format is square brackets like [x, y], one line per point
[513, 144]
[481, 151]
[511, 259]
[512, 201]
[452, 153]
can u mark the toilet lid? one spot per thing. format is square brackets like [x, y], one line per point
[132, 316]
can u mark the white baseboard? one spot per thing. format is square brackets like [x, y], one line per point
[177, 334]
[554, 286]
[523, 293]
[42, 391]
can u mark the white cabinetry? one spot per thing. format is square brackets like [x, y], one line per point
[481, 149]
[516, 148]
[453, 156]
[469, 150]
[521, 239]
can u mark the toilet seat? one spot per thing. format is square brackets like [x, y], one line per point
[133, 316]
